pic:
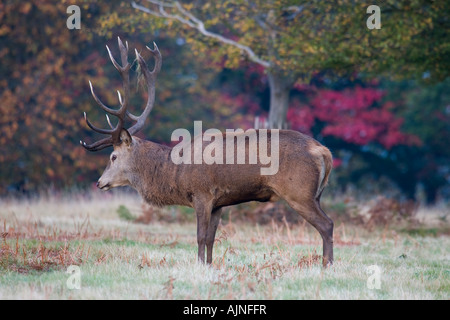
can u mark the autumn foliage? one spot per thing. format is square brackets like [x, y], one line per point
[393, 130]
[44, 89]
[357, 116]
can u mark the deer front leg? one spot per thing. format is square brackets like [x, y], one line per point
[213, 224]
[203, 212]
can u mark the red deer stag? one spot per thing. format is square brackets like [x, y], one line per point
[304, 168]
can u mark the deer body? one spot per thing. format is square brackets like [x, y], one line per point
[304, 168]
[147, 167]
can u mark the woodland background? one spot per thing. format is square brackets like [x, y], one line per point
[379, 99]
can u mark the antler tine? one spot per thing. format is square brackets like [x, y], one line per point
[114, 62]
[123, 51]
[100, 103]
[150, 79]
[99, 130]
[99, 145]
[109, 122]
[158, 60]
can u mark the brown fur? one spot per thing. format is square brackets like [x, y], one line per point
[304, 168]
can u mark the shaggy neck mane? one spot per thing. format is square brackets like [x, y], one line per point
[155, 176]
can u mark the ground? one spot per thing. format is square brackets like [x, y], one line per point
[117, 258]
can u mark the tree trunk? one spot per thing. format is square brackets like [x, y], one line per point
[280, 87]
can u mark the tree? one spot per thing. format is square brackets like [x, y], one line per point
[293, 40]
[381, 129]
[356, 119]
[44, 90]
[426, 113]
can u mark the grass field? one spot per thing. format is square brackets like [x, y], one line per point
[122, 259]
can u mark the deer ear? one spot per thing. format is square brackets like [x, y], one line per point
[125, 137]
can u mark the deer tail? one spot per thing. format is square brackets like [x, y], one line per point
[326, 162]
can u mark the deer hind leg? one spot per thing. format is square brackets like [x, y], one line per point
[311, 211]
[203, 212]
[211, 235]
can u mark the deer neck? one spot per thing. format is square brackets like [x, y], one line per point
[157, 179]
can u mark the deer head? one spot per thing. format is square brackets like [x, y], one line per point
[121, 139]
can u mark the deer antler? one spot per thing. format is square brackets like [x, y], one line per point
[150, 79]
[122, 112]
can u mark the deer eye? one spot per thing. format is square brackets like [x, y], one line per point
[114, 157]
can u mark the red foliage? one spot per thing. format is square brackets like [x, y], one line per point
[337, 162]
[353, 115]
[301, 117]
